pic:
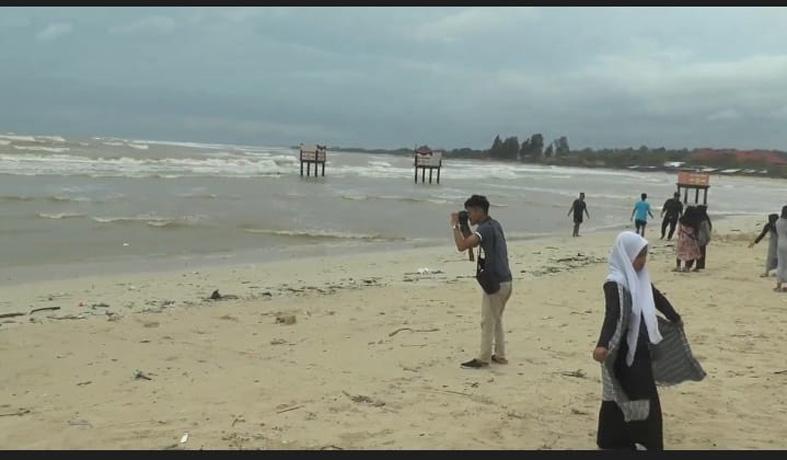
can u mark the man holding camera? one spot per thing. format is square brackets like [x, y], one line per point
[492, 273]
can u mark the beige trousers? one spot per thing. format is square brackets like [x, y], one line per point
[492, 306]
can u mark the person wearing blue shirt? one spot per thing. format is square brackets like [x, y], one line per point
[640, 214]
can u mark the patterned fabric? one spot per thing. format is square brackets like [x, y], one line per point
[672, 360]
[687, 247]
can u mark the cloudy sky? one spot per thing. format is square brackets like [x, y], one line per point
[389, 77]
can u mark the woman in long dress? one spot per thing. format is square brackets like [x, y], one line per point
[771, 257]
[781, 269]
[704, 230]
[637, 349]
[688, 249]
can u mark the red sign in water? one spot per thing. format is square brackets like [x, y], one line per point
[693, 179]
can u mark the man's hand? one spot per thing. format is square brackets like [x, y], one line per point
[600, 354]
[454, 218]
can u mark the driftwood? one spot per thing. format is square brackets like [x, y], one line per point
[11, 315]
[288, 409]
[44, 309]
[411, 330]
[18, 412]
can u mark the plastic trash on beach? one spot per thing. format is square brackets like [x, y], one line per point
[184, 438]
[125, 245]
[424, 271]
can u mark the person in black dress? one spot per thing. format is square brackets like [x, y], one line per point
[628, 286]
[578, 207]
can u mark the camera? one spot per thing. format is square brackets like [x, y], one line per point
[464, 222]
[464, 227]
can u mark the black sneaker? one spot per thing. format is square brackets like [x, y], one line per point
[474, 364]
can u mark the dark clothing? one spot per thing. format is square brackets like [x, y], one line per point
[579, 207]
[769, 227]
[671, 222]
[493, 242]
[640, 224]
[701, 260]
[637, 381]
[612, 312]
[673, 208]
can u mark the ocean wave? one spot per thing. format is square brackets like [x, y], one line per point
[153, 221]
[16, 198]
[50, 138]
[76, 165]
[4, 142]
[38, 148]
[139, 146]
[68, 199]
[13, 137]
[61, 215]
[320, 235]
[403, 199]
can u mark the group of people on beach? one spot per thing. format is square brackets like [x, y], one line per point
[636, 349]
[693, 225]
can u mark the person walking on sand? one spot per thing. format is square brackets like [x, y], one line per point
[492, 273]
[674, 209]
[636, 350]
[640, 214]
[688, 248]
[704, 231]
[578, 208]
[781, 250]
[771, 257]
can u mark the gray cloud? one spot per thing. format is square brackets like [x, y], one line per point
[449, 77]
[54, 31]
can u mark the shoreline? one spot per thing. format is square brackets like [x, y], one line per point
[163, 265]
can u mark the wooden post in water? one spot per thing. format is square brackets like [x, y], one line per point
[425, 158]
[313, 154]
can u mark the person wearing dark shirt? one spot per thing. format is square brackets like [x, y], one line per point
[490, 237]
[673, 209]
[771, 257]
[578, 208]
[628, 287]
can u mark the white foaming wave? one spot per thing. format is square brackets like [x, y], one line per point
[134, 167]
[139, 146]
[61, 215]
[320, 234]
[4, 142]
[50, 138]
[114, 144]
[13, 137]
[153, 220]
[405, 199]
[38, 148]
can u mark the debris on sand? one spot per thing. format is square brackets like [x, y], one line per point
[361, 399]
[216, 296]
[139, 375]
[286, 319]
[579, 373]
[44, 309]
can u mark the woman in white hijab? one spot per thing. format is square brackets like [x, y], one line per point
[630, 415]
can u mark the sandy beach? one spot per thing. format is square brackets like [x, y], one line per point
[372, 360]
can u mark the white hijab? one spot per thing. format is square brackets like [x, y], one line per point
[627, 246]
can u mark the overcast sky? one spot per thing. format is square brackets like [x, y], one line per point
[390, 77]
